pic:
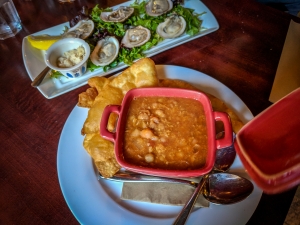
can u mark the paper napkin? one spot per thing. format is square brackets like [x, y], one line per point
[161, 193]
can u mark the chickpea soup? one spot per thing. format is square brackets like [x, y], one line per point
[166, 133]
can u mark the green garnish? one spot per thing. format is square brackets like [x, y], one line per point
[55, 74]
[139, 17]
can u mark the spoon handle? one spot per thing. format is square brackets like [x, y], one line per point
[135, 177]
[38, 80]
[186, 210]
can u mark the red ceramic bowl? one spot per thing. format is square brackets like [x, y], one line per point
[269, 145]
[211, 117]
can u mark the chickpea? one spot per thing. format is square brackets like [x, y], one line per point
[146, 133]
[152, 125]
[144, 115]
[135, 133]
[149, 158]
[160, 113]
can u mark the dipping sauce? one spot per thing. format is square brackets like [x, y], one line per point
[71, 58]
[166, 133]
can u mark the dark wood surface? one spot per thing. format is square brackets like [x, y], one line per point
[243, 54]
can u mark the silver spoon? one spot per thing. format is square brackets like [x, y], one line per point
[38, 80]
[224, 159]
[226, 188]
[220, 189]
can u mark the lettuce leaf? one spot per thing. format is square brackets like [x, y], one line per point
[139, 17]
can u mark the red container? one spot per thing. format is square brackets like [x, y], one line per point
[269, 145]
[211, 117]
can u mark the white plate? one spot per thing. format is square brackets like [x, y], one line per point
[98, 202]
[50, 88]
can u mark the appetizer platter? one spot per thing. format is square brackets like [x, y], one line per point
[34, 59]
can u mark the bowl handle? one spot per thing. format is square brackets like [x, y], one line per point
[227, 140]
[104, 132]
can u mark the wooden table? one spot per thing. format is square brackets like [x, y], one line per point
[243, 54]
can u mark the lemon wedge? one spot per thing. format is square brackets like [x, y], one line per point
[43, 42]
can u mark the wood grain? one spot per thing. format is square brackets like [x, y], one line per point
[243, 54]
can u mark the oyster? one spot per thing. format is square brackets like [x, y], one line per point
[172, 27]
[158, 7]
[83, 29]
[105, 51]
[119, 15]
[136, 36]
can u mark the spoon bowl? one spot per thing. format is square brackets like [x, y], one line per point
[226, 188]
[224, 156]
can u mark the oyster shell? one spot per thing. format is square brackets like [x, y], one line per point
[158, 7]
[119, 15]
[136, 36]
[83, 29]
[172, 27]
[106, 51]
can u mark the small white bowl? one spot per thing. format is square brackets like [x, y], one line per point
[59, 48]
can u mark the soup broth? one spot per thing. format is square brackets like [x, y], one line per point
[166, 133]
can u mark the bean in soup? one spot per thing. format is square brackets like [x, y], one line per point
[166, 133]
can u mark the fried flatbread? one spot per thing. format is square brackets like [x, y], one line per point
[140, 74]
[110, 92]
[102, 152]
[87, 98]
[107, 168]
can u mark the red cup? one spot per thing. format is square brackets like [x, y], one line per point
[211, 117]
[269, 145]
